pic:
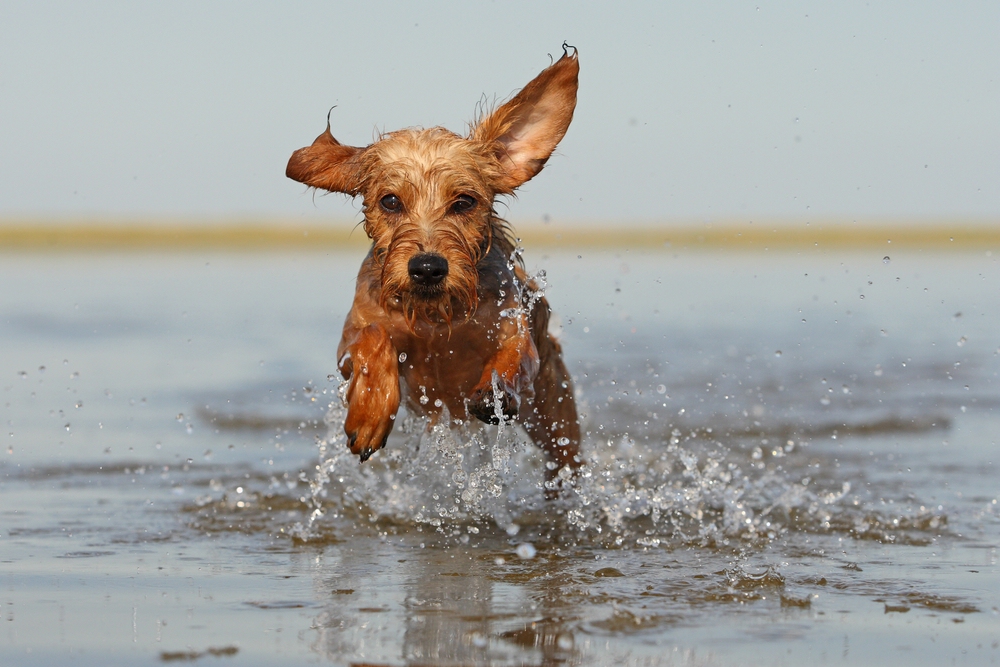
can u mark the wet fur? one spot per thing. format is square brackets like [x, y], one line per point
[451, 339]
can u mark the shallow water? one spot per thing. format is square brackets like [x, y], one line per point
[791, 459]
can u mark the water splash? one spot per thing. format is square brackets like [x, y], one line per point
[458, 478]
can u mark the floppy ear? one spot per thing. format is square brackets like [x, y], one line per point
[523, 132]
[326, 164]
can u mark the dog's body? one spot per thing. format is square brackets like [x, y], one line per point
[443, 310]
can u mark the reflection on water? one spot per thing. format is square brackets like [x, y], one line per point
[775, 466]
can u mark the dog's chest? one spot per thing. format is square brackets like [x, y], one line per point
[437, 370]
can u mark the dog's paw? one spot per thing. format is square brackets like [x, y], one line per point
[484, 402]
[365, 439]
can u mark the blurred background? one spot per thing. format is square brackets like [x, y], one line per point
[689, 113]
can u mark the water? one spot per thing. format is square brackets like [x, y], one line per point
[779, 470]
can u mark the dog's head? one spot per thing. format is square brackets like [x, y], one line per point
[429, 194]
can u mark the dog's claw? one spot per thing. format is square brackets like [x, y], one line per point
[363, 453]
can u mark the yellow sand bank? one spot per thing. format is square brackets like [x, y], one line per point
[17, 236]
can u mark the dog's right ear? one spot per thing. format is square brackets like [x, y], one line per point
[326, 164]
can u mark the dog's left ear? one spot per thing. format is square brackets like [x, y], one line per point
[326, 164]
[523, 132]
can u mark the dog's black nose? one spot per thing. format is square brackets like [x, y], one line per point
[428, 269]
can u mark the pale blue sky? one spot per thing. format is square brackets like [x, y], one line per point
[687, 111]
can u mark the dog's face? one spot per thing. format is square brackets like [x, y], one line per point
[428, 205]
[429, 194]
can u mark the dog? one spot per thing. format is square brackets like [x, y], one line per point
[444, 312]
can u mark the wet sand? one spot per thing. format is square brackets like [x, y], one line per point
[792, 460]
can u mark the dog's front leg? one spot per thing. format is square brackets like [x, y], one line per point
[368, 359]
[508, 374]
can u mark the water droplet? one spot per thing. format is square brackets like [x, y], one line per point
[862, 296]
[961, 341]
[424, 400]
[777, 353]
[885, 260]
[661, 389]
[402, 357]
[525, 551]
[499, 560]
[189, 428]
[438, 403]
[331, 377]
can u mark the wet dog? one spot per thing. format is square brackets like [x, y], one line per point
[444, 313]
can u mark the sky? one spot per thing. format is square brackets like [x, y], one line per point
[728, 111]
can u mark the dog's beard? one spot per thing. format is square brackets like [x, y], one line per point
[434, 309]
[456, 298]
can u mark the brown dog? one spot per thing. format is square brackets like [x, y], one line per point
[443, 308]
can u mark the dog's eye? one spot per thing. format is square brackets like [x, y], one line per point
[391, 203]
[463, 204]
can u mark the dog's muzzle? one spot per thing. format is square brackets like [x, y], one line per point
[427, 270]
